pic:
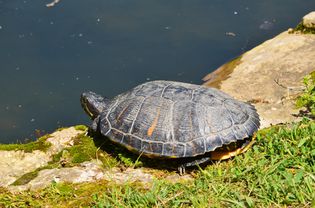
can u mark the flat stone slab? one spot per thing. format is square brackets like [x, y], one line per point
[14, 164]
[269, 76]
[89, 171]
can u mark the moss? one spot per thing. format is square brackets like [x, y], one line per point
[214, 79]
[84, 149]
[300, 28]
[81, 127]
[107, 160]
[24, 179]
[40, 144]
[61, 128]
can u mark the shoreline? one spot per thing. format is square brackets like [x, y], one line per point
[270, 75]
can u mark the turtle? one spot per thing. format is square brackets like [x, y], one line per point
[169, 119]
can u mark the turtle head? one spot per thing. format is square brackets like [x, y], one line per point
[92, 103]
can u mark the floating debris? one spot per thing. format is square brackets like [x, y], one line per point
[52, 3]
[230, 34]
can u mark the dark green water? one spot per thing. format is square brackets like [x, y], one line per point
[48, 56]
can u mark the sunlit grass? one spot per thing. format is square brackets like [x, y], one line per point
[277, 172]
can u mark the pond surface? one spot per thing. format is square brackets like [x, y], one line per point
[48, 56]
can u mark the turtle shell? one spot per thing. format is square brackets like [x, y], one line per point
[176, 120]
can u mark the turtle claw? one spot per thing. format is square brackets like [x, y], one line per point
[181, 170]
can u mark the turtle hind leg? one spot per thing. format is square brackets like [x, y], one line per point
[198, 161]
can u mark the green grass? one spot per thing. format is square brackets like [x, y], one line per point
[277, 172]
[307, 98]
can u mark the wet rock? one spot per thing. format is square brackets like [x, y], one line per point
[309, 20]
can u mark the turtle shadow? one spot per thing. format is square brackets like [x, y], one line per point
[117, 151]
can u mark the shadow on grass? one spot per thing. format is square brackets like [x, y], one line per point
[131, 159]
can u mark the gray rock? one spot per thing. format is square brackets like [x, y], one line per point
[270, 76]
[89, 171]
[14, 164]
[309, 20]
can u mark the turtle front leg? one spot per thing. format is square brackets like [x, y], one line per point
[181, 168]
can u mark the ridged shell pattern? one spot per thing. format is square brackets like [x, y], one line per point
[174, 119]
